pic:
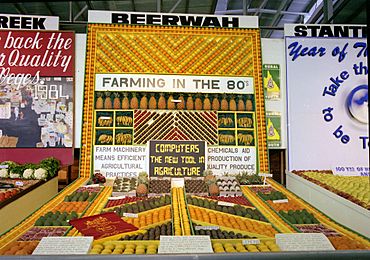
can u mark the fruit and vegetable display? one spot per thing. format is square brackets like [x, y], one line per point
[37, 233]
[239, 247]
[45, 169]
[124, 248]
[19, 248]
[352, 188]
[160, 186]
[152, 233]
[196, 186]
[178, 213]
[140, 100]
[249, 179]
[143, 205]
[235, 209]
[228, 186]
[56, 218]
[124, 186]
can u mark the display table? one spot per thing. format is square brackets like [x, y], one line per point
[339, 209]
[14, 212]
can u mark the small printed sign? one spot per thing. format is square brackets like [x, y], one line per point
[206, 227]
[303, 242]
[185, 245]
[251, 242]
[63, 246]
[280, 201]
[224, 203]
[130, 215]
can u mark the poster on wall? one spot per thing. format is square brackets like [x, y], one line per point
[327, 86]
[36, 89]
[152, 84]
[271, 81]
[273, 126]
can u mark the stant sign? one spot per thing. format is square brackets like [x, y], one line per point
[327, 30]
[169, 19]
[29, 22]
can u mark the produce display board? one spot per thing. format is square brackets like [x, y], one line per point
[172, 83]
[328, 111]
[36, 94]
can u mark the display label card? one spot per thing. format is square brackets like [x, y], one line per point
[117, 198]
[224, 203]
[5, 166]
[185, 245]
[63, 246]
[280, 201]
[130, 215]
[207, 227]
[351, 170]
[91, 185]
[303, 242]
[19, 183]
[265, 174]
[251, 242]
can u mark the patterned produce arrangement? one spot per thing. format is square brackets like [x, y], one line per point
[233, 218]
[305, 218]
[353, 188]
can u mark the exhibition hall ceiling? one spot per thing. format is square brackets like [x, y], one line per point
[273, 14]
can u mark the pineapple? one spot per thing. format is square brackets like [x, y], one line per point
[161, 102]
[224, 103]
[99, 101]
[134, 102]
[249, 105]
[144, 102]
[116, 101]
[152, 102]
[198, 103]
[190, 103]
[232, 104]
[241, 106]
[141, 190]
[181, 105]
[206, 103]
[215, 103]
[125, 103]
[213, 189]
[107, 101]
[170, 104]
[142, 187]
[208, 177]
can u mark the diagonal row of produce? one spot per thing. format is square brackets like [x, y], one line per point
[257, 212]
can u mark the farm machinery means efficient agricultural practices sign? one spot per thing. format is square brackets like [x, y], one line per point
[328, 98]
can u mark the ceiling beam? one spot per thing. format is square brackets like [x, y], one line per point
[284, 5]
[221, 5]
[80, 12]
[355, 13]
[175, 6]
[50, 11]
[133, 5]
[187, 6]
[159, 6]
[262, 6]
[20, 9]
[266, 11]
[90, 5]
[328, 10]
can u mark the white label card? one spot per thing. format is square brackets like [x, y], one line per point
[63, 246]
[251, 242]
[130, 215]
[265, 174]
[224, 203]
[185, 245]
[303, 242]
[280, 201]
[207, 227]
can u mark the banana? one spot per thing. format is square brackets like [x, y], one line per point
[104, 121]
[124, 120]
[122, 138]
[105, 139]
[226, 139]
[245, 122]
[245, 139]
